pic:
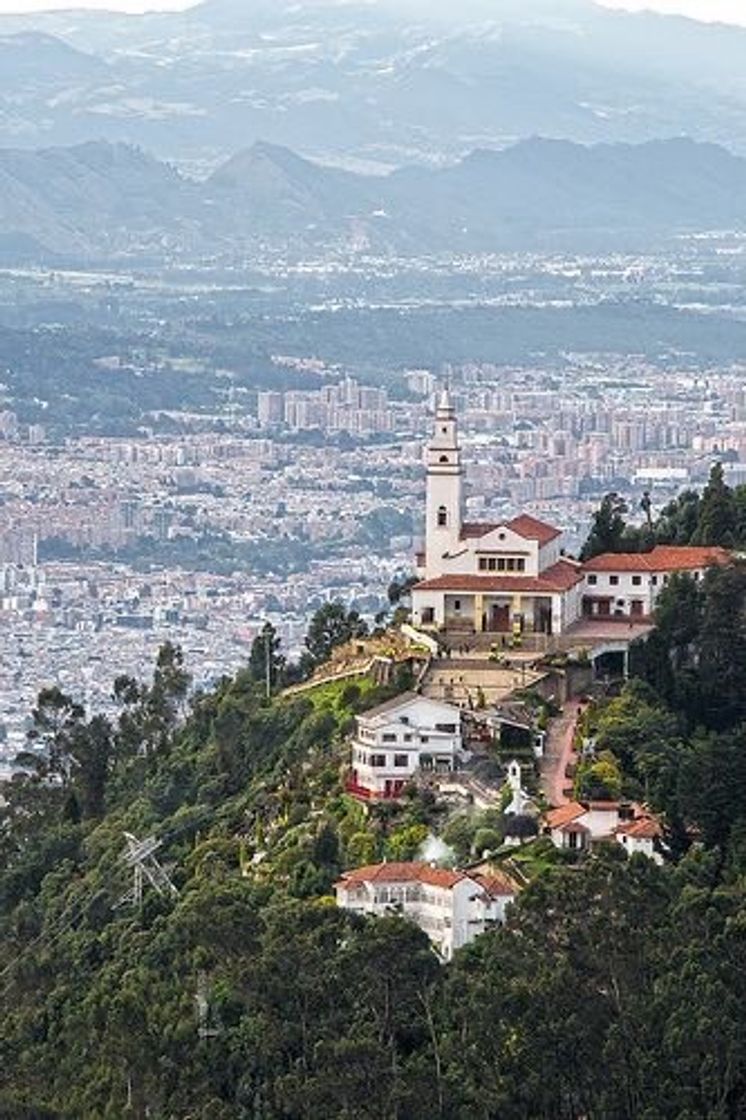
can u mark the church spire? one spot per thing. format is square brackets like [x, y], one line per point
[445, 409]
[444, 487]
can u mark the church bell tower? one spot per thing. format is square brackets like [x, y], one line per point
[444, 488]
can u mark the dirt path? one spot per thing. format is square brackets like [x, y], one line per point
[558, 753]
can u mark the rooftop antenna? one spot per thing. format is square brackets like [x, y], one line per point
[140, 856]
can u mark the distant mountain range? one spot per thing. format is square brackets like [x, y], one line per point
[387, 82]
[100, 201]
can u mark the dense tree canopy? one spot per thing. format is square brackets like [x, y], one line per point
[715, 517]
[609, 530]
[696, 658]
[615, 992]
[332, 626]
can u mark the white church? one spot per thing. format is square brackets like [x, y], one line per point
[497, 577]
[512, 577]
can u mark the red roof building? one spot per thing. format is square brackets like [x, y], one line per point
[452, 907]
[626, 585]
[663, 558]
[512, 577]
[578, 825]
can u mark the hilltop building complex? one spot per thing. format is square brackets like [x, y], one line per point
[513, 577]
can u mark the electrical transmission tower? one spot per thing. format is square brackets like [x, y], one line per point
[140, 857]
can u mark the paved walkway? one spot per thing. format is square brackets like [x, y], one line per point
[558, 753]
[456, 681]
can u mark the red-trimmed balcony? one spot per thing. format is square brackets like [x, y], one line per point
[362, 793]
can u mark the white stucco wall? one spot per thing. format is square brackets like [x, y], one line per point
[625, 590]
[601, 822]
[389, 738]
[464, 556]
[450, 916]
[572, 606]
[550, 553]
[424, 600]
[634, 845]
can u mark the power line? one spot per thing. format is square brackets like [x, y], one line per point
[140, 856]
[48, 936]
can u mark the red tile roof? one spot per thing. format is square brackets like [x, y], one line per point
[402, 873]
[496, 884]
[533, 529]
[474, 529]
[663, 558]
[557, 818]
[560, 577]
[644, 828]
[530, 528]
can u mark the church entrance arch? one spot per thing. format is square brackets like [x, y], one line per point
[499, 618]
[543, 616]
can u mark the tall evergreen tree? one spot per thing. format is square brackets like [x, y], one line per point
[332, 626]
[608, 529]
[677, 523]
[716, 524]
[266, 662]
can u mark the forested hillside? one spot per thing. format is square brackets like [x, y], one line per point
[615, 992]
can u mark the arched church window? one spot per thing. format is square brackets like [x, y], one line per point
[442, 517]
[444, 459]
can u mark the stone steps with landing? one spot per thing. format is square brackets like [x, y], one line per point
[467, 688]
[485, 641]
[514, 663]
[465, 665]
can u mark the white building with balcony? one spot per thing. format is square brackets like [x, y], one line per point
[451, 907]
[400, 738]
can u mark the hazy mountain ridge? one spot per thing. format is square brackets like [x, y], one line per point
[91, 200]
[98, 200]
[394, 83]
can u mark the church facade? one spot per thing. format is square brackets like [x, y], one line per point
[500, 578]
[513, 577]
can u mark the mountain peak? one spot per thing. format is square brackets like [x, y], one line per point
[258, 159]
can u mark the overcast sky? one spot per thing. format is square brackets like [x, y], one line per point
[110, 5]
[733, 11]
